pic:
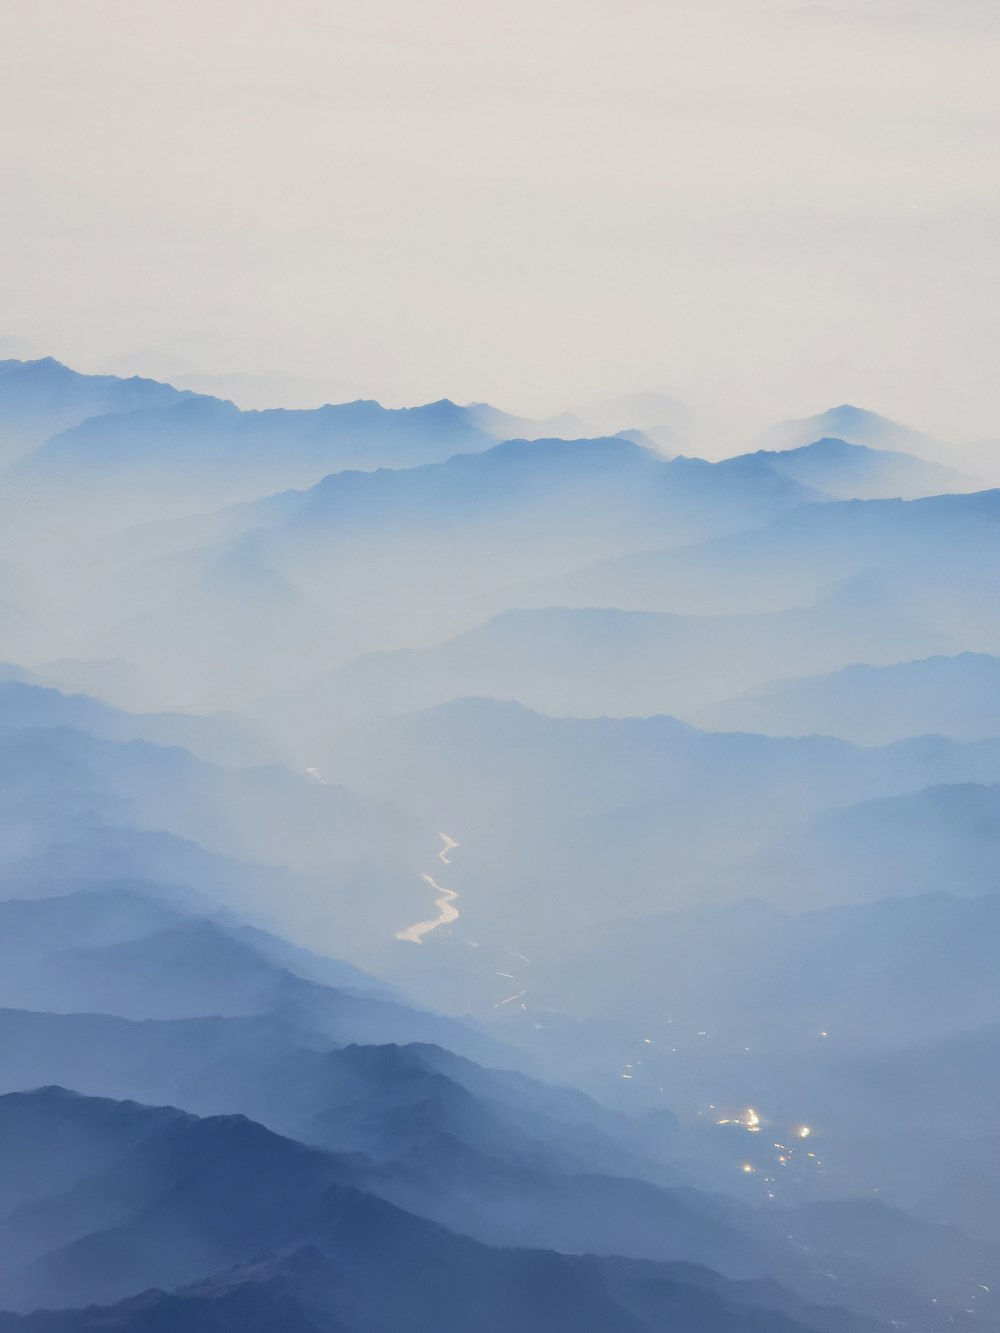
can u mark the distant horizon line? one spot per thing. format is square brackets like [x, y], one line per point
[727, 435]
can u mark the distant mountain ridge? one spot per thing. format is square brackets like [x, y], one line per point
[852, 471]
[951, 696]
[589, 922]
[855, 425]
[40, 398]
[228, 455]
[306, 574]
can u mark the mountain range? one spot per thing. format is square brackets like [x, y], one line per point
[464, 871]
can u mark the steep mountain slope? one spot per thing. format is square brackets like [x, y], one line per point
[38, 933]
[426, 1132]
[498, 1196]
[306, 1291]
[124, 954]
[190, 1196]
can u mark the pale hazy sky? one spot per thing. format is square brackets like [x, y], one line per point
[764, 207]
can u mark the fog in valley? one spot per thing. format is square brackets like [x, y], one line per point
[500, 845]
[499, 667]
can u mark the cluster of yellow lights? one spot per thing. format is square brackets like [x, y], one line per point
[751, 1122]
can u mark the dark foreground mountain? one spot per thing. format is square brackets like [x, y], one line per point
[146, 1202]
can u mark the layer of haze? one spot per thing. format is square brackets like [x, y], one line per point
[761, 207]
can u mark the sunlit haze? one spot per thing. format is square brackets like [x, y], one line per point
[499, 666]
[760, 207]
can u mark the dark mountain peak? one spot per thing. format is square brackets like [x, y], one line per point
[397, 1067]
[52, 1093]
[385, 1055]
[55, 1103]
[239, 1134]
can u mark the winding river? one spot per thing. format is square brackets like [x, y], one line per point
[447, 912]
